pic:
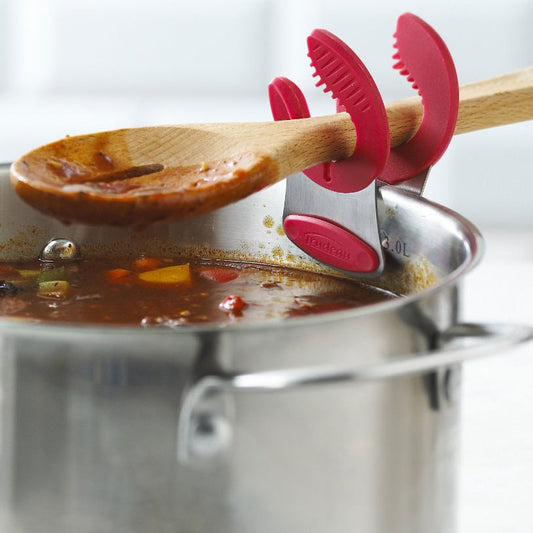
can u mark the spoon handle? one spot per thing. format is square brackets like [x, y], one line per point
[485, 104]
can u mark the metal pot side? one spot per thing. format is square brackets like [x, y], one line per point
[94, 431]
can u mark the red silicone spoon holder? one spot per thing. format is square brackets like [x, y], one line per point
[344, 74]
[423, 57]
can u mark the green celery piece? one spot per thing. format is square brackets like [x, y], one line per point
[52, 274]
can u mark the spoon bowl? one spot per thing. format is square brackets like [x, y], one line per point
[138, 176]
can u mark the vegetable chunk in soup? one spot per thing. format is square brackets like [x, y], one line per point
[170, 291]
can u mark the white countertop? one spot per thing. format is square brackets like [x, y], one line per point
[496, 468]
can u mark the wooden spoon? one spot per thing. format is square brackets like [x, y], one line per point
[141, 175]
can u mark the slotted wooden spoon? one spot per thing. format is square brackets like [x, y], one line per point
[141, 175]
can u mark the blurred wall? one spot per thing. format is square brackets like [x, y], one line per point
[73, 66]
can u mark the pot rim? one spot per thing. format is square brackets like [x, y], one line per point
[28, 328]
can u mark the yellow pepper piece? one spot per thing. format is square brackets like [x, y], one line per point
[171, 274]
[53, 289]
[25, 273]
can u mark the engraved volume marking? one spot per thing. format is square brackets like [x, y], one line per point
[326, 245]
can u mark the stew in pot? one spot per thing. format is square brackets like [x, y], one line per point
[171, 291]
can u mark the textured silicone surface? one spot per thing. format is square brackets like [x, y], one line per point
[341, 71]
[423, 57]
[288, 102]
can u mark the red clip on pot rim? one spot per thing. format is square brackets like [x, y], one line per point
[423, 57]
[344, 74]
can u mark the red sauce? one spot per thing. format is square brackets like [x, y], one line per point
[172, 292]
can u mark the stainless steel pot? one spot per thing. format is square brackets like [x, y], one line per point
[341, 422]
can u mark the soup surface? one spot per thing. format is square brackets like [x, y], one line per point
[171, 292]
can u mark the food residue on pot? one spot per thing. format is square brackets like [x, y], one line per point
[268, 221]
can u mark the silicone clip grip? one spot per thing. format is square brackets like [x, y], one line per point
[288, 102]
[341, 71]
[344, 74]
[330, 243]
[423, 57]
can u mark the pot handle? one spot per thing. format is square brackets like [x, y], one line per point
[459, 343]
[205, 429]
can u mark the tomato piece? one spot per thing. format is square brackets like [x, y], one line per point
[117, 275]
[219, 274]
[145, 263]
[232, 303]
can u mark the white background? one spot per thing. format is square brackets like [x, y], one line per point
[73, 66]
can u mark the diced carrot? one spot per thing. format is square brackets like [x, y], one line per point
[219, 274]
[7, 270]
[145, 263]
[175, 274]
[117, 275]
